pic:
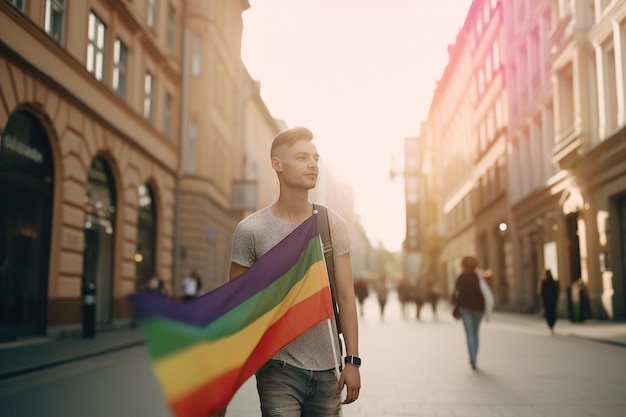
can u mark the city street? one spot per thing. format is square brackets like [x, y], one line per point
[410, 368]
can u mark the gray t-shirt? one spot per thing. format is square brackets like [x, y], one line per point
[257, 234]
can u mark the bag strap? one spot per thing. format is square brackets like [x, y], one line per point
[327, 244]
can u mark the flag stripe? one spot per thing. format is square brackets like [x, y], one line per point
[274, 264]
[211, 395]
[228, 353]
[164, 344]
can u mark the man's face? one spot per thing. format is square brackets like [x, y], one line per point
[297, 164]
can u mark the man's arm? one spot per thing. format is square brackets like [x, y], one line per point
[344, 285]
[236, 270]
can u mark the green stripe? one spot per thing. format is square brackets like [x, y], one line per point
[165, 336]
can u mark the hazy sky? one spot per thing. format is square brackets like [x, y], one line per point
[360, 74]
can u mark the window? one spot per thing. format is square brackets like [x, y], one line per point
[482, 136]
[167, 116]
[95, 48]
[611, 107]
[120, 66]
[18, 4]
[479, 26]
[195, 65]
[193, 139]
[496, 55]
[486, 12]
[499, 116]
[55, 11]
[481, 81]
[490, 126]
[150, 13]
[171, 27]
[147, 98]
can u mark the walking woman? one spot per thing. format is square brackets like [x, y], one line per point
[469, 299]
[549, 291]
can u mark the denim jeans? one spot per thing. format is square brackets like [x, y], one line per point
[471, 322]
[287, 391]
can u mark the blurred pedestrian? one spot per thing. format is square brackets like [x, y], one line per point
[156, 284]
[418, 295]
[433, 294]
[191, 286]
[549, 291]
[404, 295]
[361, 291]
[381, 293]
[470, 301]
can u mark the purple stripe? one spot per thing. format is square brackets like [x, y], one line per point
[212, 305]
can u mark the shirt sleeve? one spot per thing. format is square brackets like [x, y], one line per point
[243, 246]
[340, 234]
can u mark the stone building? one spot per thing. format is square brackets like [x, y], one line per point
[448, 138]
[536, 179]
[127, 129]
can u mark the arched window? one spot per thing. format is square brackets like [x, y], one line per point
[99, 237]
[26, 189]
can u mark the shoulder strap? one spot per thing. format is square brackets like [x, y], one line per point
[324, 228]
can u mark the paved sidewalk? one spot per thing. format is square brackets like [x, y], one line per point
[604, 331]
[19, 358]
[36, 354]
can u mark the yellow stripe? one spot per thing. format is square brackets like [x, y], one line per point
[186, 370]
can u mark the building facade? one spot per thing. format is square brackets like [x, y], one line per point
[449, 132]
[132, 141]
[490, 116]
[589, 147]
[547, 164]
[530, 133]
[215, 93]
[88, 156]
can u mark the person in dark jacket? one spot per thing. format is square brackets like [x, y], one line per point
[469, 299]
[549, 291]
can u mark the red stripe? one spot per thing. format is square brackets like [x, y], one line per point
[215, 395]
[308, 313]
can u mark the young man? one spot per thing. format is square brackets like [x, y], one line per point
[301, 379]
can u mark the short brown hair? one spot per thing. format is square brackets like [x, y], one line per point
[469, 264]
[289, 137]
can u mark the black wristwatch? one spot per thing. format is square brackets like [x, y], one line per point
[353, 360]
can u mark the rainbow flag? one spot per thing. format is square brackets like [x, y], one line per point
[204, 350]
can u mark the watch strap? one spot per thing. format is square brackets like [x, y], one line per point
[352, 360]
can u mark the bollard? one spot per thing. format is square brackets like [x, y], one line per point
[89, 311]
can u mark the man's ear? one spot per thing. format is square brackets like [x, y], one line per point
[276, 164]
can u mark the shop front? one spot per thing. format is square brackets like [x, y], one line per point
[26, 189]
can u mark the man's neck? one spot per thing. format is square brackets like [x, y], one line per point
[294, 209]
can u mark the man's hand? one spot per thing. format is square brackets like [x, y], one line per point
[351, 379]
